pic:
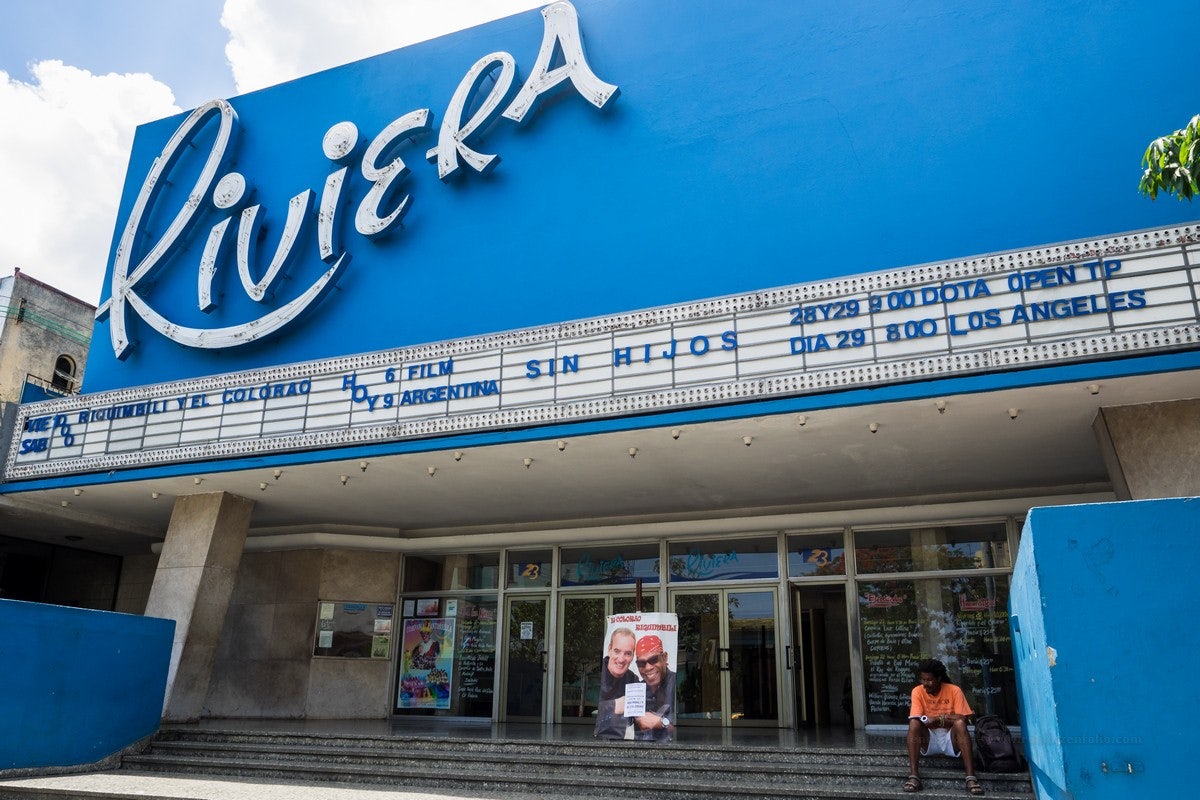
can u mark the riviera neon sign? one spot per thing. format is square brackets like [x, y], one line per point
[229, 194]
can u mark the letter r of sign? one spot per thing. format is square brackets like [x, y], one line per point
[561, 36]
[125, 279]
[562, 30]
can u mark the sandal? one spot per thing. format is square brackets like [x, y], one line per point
[913, 784]
[973, 786]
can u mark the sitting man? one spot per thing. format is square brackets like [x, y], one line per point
[937, 725]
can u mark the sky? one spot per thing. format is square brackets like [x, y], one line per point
[78, 76]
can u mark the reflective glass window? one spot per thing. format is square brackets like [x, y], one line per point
[963, 622]
[724, 560]
[978, 546]
[530, 568]
[622, 564]
[816, 554]
[434, 573]
[457, 678]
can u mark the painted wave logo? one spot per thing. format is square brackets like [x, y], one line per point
[226, 197]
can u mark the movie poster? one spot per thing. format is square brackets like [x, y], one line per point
[637, 678]
[426, 663]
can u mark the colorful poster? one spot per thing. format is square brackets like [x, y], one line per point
[426, 663]
[637, 678]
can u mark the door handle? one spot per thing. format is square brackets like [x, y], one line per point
[542, 658]
[725, 658]
[787, 657]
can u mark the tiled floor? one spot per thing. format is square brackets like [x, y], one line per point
[122, 784]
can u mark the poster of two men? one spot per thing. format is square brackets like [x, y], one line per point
[637, 678]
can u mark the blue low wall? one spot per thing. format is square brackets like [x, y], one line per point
[79, 685]
[1101, 615]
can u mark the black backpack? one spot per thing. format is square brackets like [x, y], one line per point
[995, 750]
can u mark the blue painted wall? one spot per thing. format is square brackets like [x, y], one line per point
[752, 146]
[79, 685]
[1105, 586]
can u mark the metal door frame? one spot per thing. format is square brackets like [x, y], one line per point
[548, 621]
[782, 694]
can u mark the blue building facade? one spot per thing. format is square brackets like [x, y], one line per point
[779, 318]
[1087, 740]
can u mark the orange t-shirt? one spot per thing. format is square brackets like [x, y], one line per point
[948, 700]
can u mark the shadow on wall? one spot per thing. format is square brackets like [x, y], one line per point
[80, 685]
[1104, 644]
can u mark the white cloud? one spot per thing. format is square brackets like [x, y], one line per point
[64, 147]
[67, 133]
[272, 41]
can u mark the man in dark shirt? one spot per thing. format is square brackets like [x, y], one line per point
[611, 722]
[657, 724]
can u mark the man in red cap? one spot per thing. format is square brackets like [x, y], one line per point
[658, 723]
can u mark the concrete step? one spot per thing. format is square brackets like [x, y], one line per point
[130, 785]
[215, 763]
[576, 748]
[553, 766]
[716, 754]
[581, 769]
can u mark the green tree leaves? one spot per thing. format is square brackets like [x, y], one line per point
[1172, 163]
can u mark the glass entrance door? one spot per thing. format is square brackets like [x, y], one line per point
[727, 671]
[525, 659]
[821, 656]
[580, 649]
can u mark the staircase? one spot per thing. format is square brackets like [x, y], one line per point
[580, 770]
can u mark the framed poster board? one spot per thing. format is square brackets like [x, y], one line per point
[354, 630]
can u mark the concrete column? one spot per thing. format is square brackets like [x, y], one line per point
[192, 585]
[1151, 449]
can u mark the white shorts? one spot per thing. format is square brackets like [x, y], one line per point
[940, 744]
